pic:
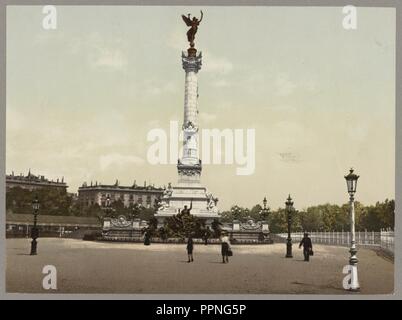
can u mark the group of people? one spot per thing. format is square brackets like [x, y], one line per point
[226, 250]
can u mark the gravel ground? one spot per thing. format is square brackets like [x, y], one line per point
[96, 267]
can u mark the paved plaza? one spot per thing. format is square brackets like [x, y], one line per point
[96, 267]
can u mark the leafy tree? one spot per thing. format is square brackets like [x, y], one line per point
[94, 210]
[53, 201]
[182, 225]
[310, 220]
[216, 228]
[277, 221]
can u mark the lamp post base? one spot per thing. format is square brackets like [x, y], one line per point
[33, 247]
[354, 281]
[289, 249]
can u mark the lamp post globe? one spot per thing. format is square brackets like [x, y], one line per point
[289, 211]
[351, 183]
[35, 230]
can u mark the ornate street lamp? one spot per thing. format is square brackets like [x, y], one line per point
[135, 211]
[108, 207]
[289, 211]
[35, 230]
[351, 183]
[265, 211]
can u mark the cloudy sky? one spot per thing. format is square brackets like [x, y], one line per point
[82, 98]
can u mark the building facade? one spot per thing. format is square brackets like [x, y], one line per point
[33, 182]
[147, 196]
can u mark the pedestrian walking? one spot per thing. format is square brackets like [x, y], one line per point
[225, 248]
[190, 247]
[307, 247]
[147, 238]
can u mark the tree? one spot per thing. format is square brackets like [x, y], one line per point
[277, 221]
[93, 210]
[255, 213]
[53, 201]
[310, 220]
[216, 228]
[183, 225]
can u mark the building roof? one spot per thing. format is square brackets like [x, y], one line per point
[115, 187]
[52, 220]
[34, 180]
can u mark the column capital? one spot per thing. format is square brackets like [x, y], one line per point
[191, 63]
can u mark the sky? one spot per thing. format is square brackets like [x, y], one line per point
[82, 98]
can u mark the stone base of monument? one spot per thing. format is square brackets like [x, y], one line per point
[250, 238]
[203, 204]
[121, 229]
[248, 232]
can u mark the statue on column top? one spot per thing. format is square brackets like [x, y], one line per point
[193, 23]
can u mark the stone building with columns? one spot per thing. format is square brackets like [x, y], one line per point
[94, 193]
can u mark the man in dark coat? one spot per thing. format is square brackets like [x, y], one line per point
[190, 246]
[206, 235]
[307, 246]
[147, 238]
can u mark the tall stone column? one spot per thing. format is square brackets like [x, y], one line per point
[189, 166]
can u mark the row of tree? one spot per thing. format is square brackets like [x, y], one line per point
[53, 201]
[326, 217]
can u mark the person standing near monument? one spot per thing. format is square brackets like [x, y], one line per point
[307, 247]
[206, 235]
[190, 246]
[225, 247]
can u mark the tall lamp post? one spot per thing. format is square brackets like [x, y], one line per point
[135, 211]
[351, 182]
[265, 211]
[108, 208]
[289, 210]
[35, 230]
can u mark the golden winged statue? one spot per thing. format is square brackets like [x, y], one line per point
[193, 24]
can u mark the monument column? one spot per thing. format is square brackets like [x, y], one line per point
[189, 191]
[189, 166]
